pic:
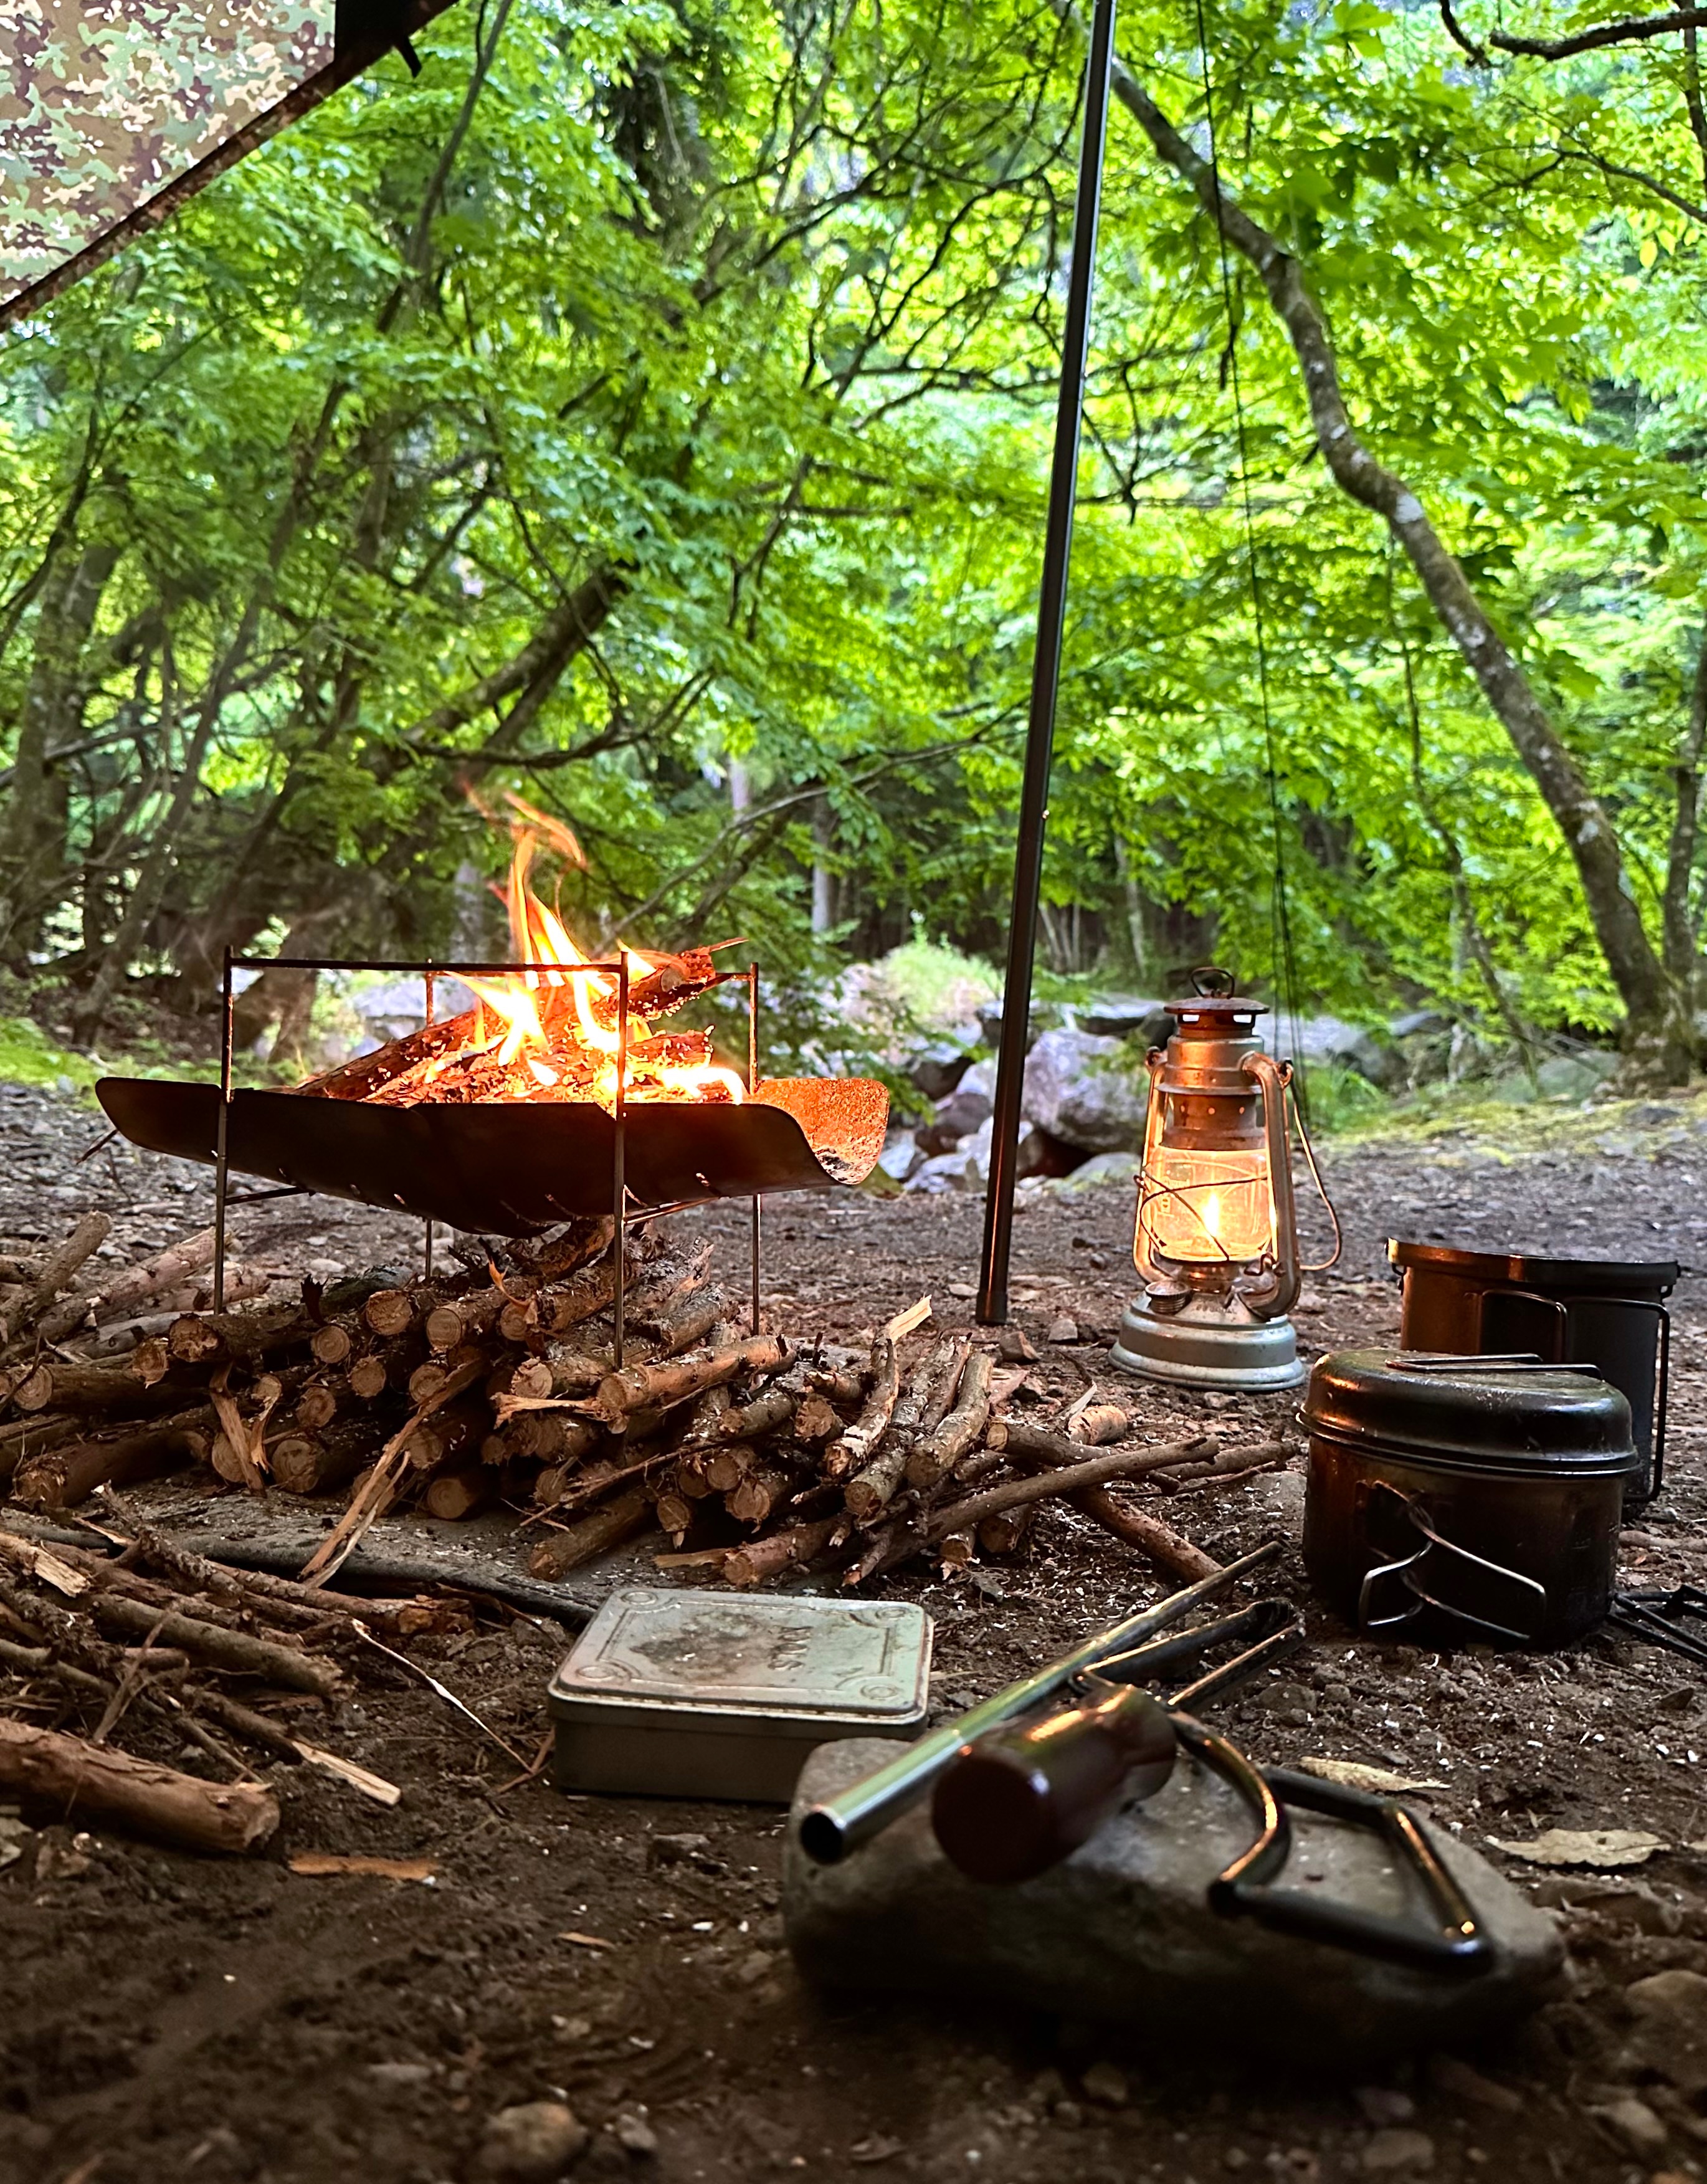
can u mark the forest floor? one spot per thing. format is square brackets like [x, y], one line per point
[165, 2017]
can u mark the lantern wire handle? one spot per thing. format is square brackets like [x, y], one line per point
[1320, 1266]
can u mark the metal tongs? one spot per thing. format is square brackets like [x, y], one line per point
[1014, 1789]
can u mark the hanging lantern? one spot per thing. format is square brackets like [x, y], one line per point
[1216, 1241]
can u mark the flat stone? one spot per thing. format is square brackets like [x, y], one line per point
[1106, 2086]
[1121, 1932]
[1384, 2107]
[1456, 2080]
[1063, 1330]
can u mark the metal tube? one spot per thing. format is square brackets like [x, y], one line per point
[222, 1167]
[842, 1823]
[619, 1159]
[752, 1087]
[429, 978]
[1046, 671]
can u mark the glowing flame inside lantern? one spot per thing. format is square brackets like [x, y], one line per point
[550, 1033]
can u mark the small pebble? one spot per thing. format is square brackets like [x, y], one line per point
[1382, 2106]
[1106, 2086]
[532, 2143]
[1398, 2154]
[635, 2135]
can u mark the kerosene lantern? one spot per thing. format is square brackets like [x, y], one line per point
[1216, 1241]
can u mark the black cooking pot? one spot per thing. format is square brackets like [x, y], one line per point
[1606, 1312]
[1453, 1499]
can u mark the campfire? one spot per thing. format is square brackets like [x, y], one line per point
[555, 1096]
[564, 1028]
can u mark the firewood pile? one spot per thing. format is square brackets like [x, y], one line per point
[112, 1668]
[496, 1385]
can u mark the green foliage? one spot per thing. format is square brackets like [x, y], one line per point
[680, 426]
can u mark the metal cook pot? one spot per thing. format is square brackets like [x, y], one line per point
[1454, 1498]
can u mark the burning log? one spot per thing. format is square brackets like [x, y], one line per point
[93, 1781]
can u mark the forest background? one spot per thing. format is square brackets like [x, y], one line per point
[647, 410]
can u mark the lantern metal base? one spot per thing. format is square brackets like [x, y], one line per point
[1209, 1342]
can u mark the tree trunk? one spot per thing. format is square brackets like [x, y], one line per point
[32, 849]
[1679, 924]
[1659, 1039]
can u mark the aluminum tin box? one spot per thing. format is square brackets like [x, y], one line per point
[703, 1694]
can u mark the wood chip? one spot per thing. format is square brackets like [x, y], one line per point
[904, 1322]
[1354, 1775]
[586, 1941]
[314, 1863]
[370, 1785]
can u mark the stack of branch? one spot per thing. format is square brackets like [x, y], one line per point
[110, 1669]
[498, 1384]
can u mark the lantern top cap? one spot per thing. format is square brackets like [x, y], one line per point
[1214, 1000]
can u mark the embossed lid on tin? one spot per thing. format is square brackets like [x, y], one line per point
[793, 1654]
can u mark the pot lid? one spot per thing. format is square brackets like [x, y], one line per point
[1500, 1412]
[1575, 1275]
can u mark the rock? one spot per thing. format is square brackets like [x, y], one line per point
[1063, 1330]
[1290, 1704]
[1120, 1168]
[960, 1170]
[1458, 2081]
[1121, 1933]
[1398, 2154]
[939, 1069]
[533, 2143]
[981, 1078]
[1341, 1045]
[900, 1157]
[962, 1112]
[1014, 1346]
[1106, 2086]
[399, 1006]
[1670, 2036]
[1088, 1091]
[635, 2135]
[1635, 2126]
[1126, 1016]
[1576, 1076]
[676, 1849]
[1382, 2107]
[405, 2076]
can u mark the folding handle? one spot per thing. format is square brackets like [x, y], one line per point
[1455, 1943]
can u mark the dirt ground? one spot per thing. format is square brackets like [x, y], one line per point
[166, 2017]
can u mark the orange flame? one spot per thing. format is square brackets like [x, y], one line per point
[556, 1020]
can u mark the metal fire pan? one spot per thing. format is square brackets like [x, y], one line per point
[515, 1168]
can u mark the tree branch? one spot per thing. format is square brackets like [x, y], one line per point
[1649, 999]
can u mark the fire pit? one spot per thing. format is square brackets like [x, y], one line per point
[554, 1096]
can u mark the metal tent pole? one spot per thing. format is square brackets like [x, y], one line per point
[1046, 670]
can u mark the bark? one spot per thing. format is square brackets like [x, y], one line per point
[1659, 1038]
[1678, 923]
[90, 1781]
[32, 848]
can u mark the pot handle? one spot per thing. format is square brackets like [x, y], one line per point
[1411, 1572]
[1454, 1942]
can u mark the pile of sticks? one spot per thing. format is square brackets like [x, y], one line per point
[498, 1384]
[164, 1651]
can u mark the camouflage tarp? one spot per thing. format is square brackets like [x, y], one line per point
[112, 111]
